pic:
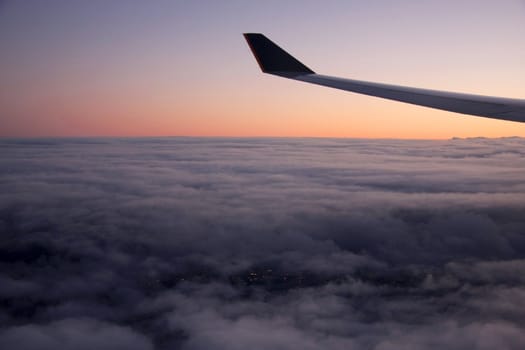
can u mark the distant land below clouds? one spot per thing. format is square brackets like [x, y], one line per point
[262, 243]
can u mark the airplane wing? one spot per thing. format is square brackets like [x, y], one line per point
[274, 60]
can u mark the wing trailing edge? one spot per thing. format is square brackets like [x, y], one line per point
[274, 60]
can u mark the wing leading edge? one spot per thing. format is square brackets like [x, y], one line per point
[274, 60]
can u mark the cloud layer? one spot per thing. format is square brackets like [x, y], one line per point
[262, 243]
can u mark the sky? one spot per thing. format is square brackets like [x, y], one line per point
[263, 243]
[182, 68]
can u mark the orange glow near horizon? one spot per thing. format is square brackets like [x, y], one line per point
[297, 111]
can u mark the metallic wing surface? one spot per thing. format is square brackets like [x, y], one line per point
[274, 60]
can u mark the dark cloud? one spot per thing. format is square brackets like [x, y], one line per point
[73, 334]
[262, 243]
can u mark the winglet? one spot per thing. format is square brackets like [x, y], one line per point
[272, 59]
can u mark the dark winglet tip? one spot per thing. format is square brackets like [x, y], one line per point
[273, 59]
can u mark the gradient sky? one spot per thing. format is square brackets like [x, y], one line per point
[140, 68]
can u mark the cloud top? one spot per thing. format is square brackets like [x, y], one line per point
[187, 243]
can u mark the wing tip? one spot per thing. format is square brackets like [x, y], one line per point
[273, 59]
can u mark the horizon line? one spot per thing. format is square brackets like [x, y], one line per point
[251, 137]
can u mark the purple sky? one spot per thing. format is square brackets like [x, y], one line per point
[183, 68]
